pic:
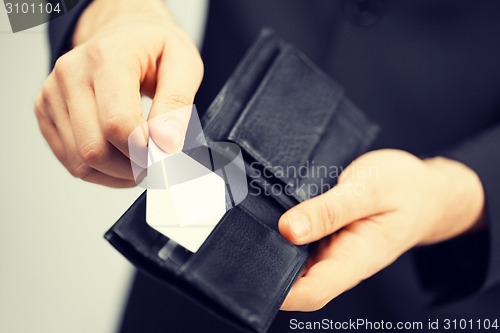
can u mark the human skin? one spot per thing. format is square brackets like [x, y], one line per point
[90, 104]
[91, 101]
[371, 218]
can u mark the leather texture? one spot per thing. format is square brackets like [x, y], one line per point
[286, 115]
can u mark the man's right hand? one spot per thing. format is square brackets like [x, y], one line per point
[91, 101]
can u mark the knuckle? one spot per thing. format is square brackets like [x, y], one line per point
[38, 107]
[81, 171]
[114, 129]
[198, 65]
[174, 100]
[98, 51]
[43, 101]
[93, 154]
[47, 91]
[328, 216]
[64, 64]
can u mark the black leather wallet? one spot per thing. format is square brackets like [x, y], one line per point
[291, 121]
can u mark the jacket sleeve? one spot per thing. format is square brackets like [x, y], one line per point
[470, 263]
[61, 31]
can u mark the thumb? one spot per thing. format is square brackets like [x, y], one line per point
[325, 214]
[178, 80]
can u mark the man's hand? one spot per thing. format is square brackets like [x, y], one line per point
[385, 203]
[91, 102]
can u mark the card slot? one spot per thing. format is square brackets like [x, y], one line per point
[218, 274]
[245, 266]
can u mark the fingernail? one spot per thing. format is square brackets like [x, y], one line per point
[299, 224]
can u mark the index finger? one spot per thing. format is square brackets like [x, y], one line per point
[179, 76]
[119, 107]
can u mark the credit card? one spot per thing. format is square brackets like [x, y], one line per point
[185, 200]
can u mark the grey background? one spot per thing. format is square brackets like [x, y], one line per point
[57, 273]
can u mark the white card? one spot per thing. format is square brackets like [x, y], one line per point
[186, 211]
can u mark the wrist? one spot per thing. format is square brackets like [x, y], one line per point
[460, 196]
[104, 13]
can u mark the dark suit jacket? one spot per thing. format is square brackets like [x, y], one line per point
[428, 72]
